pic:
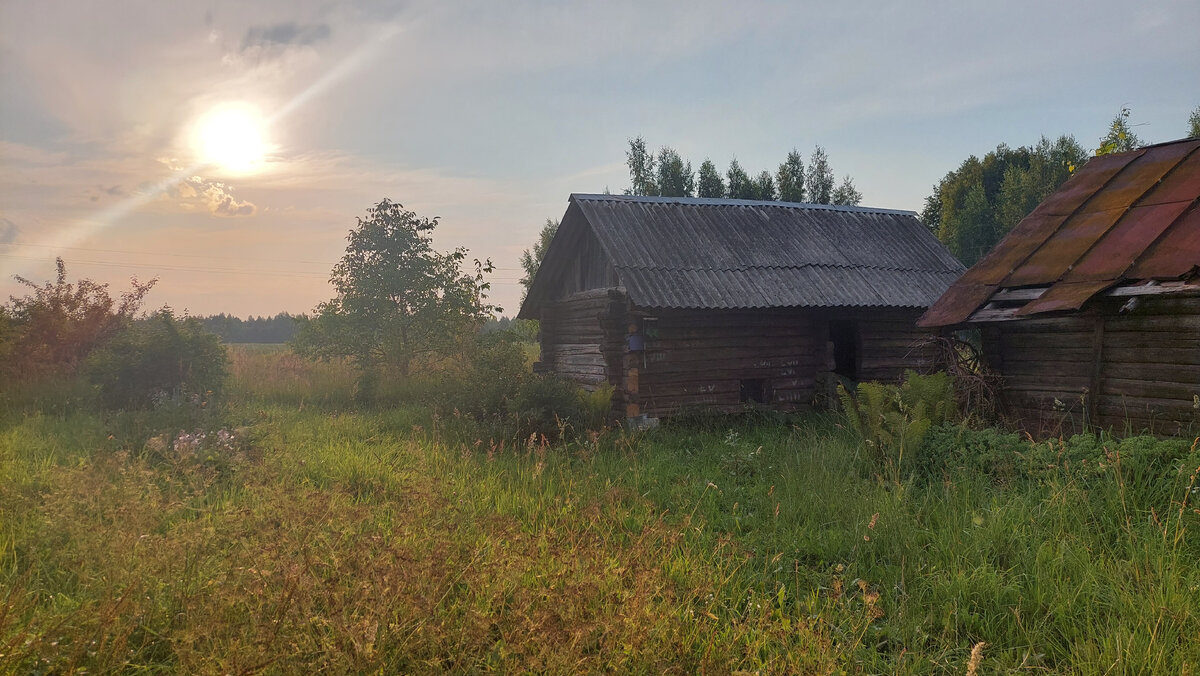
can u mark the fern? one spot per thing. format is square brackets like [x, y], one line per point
[893, 420]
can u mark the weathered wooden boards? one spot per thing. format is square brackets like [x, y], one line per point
[1130, 371]
[712, 359]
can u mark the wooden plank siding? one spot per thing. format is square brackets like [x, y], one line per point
[1128, 372]
[700, 358]
[583, 338]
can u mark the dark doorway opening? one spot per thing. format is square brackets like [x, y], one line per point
[847, 345]
[754, 390]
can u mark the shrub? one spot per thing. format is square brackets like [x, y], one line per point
[547, 406]
[996, 454]
[50, 331]
[158, 359]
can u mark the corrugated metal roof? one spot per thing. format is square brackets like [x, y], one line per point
[726, 254]
[1122, 218]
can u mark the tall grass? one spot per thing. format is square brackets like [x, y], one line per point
[262, 372]
[341, 540]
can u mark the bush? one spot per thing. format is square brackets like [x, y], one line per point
[550, 407]
[1001, 456]
[51, 331]
[157, 359]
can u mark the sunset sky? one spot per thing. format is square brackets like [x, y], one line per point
[227, 147]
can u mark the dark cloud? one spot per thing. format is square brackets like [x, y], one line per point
[8, 231]
[285, 34]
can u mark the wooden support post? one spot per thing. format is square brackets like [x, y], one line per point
[1093, 397]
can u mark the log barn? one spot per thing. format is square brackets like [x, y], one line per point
[1090, 308]
[723, 303]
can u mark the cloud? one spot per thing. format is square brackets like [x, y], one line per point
[8, 231]
[214, 196]
[285, 34]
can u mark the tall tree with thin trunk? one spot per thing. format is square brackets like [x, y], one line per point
[531, 259]
[790, 178]
[818, 180]
[710, 183]
[675, 176]
[641, 168]
[738, 184]
[764, 187]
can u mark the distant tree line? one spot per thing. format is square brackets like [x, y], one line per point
[668, 174]
[977, 204]
[278, 329]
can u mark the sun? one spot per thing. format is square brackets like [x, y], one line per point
[231, 137]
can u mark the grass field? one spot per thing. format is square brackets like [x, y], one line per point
[302, 534]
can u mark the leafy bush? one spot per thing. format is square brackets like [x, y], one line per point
[50, 331]
[999, 455]
[550, 407]
[892, 420]
[158, 359]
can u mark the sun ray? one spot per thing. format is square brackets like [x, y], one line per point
[83, 228]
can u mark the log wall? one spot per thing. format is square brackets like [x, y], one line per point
[699, 358]
[583, 338]
[1129, 372]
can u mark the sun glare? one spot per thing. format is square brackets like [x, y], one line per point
[231, 138]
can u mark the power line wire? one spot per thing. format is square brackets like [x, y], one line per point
[179, 255]
[299, 274]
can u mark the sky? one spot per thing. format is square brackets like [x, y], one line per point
[489, 114]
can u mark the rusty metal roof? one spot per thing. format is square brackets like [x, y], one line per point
[1123, 218]
[723, 253]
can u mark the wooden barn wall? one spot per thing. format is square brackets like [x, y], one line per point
[1130, 371]
[696, 358]
[583, 337]
[892, 343]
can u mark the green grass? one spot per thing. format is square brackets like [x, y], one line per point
[332, 539]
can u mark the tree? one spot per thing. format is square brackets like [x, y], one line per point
[1194, 123]
[764, 187]
[738, 186]
[641, 168]
[531, 260]
[972, 207]
[669, 174]
[846, 194]
[710, 183]
[398, 299]
[790, 178]
[675, 177]
[1120, 137]
[818, 180]
[1024, 187]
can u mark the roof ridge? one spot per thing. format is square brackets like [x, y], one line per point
[723, 201]
[839, 266]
